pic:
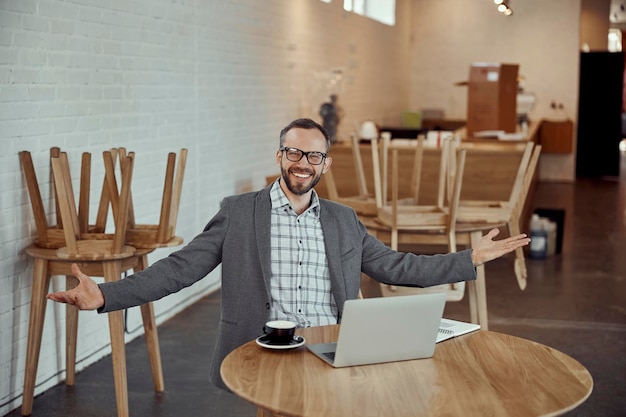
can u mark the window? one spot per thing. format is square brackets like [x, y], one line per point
[383, 11]
[615, 40]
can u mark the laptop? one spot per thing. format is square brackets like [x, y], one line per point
[385, 329]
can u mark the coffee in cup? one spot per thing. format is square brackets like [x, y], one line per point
[279, 331]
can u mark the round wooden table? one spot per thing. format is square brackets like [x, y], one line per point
[479, 374]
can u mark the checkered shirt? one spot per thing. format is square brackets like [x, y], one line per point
[300, 283]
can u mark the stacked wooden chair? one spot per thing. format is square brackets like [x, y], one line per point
[509, 210]
[364, 203]
[97, 253]
[425, 223]
[401, 221]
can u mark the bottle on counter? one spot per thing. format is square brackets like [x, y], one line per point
[538, 238]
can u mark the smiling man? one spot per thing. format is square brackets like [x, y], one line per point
[285, 254]
[302, 169]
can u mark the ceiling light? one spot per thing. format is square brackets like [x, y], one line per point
[503, 7]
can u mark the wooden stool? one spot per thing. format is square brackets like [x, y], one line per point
[105, 256]
[47, 263]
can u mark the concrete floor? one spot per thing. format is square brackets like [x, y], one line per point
[575, 302]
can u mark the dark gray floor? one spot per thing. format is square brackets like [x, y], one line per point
[575, 302]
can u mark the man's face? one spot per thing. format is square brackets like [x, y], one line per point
[301, 176]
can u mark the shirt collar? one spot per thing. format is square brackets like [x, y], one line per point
[279, 199]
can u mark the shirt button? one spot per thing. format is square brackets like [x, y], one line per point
[267, 306]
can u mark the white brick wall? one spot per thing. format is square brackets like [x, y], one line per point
[218, 77]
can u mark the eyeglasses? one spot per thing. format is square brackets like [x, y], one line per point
[295, 154]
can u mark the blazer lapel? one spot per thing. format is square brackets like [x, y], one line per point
[333, 253]
[262, 226]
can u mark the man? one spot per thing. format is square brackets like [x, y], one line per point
[285, 254]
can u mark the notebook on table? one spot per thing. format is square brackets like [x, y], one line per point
[453, 328]
[385, 329]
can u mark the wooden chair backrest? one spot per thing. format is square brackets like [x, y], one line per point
[358, 166]
[457, 179]
[416, 177]
[383, 179]
[528, 179]
[518, 185]
[331, 185]
[450, 184]
[497, 172]
[412, 159]
[504, 169]
[346, 167]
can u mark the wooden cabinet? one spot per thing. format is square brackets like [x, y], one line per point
[556, 136]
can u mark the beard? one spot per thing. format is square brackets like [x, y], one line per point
[298, 188]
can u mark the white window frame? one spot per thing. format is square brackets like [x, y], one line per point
[383, 11]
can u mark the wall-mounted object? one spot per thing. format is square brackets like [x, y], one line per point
[492, 97]
[556, 136]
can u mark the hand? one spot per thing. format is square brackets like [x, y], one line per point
[488, 249]
[86, 295]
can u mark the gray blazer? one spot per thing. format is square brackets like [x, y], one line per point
[238, 237]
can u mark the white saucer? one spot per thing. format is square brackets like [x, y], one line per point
[296, 342]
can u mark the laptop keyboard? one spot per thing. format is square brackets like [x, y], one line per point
[330, 355]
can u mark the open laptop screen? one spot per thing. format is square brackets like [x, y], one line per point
[385, 329]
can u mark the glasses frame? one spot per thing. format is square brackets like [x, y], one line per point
[303, 154]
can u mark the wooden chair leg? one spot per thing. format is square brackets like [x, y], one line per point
[479, 291]
[71, 333]
[41, 282]
[520, 262]
[152, 342]
[394, 246]
[152, 336]
[112, 272]
[472, 297]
